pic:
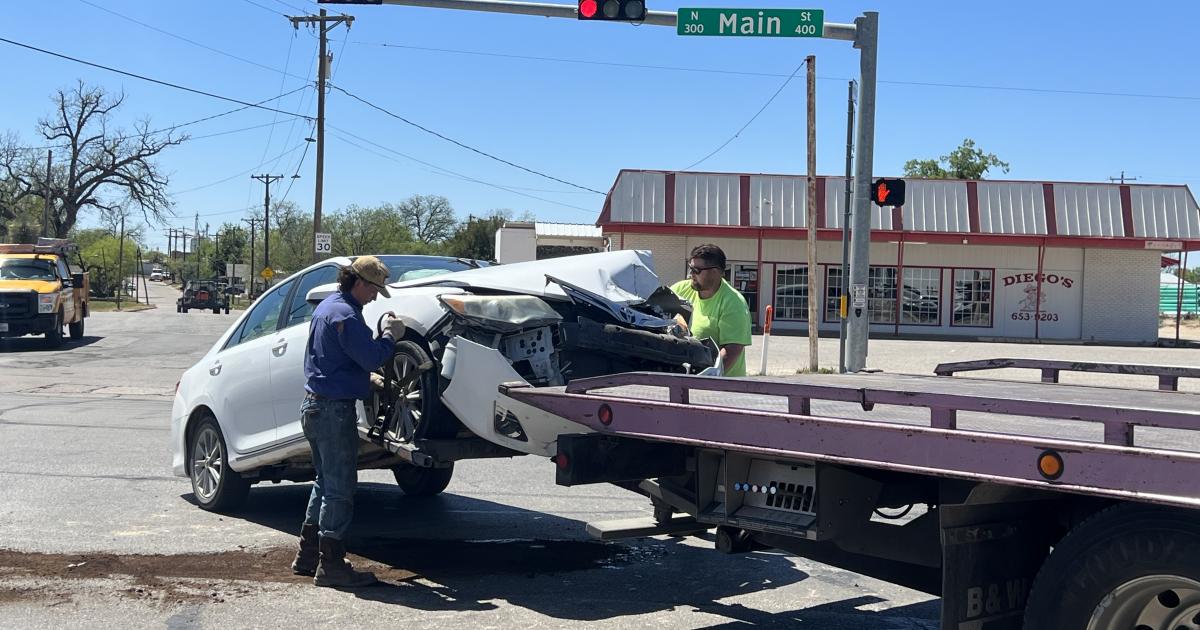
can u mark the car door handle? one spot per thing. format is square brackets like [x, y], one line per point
[215, 369]
[279, 348]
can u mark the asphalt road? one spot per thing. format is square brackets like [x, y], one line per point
[95, 532]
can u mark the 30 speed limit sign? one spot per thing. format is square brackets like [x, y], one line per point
[324, 242]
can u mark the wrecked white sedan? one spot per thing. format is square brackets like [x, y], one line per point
[470, 328]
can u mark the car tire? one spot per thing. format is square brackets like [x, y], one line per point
[217, 311]
[226, 310]
[185, 309]
[1115, 566]
[216, 487]
[76, 329]
[417, 481]
[54, 337]
[430, 419]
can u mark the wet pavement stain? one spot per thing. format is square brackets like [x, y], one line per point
[215, 577]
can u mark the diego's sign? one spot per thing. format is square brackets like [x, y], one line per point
[1030, 305]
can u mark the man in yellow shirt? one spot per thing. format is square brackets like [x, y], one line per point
[719, 312]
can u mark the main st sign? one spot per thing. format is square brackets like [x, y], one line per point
[751, 22]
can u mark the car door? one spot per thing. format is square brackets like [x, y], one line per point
[67, 292]
[240, 376]
[287, 353]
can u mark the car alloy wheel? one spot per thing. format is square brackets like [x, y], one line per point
[216, 486]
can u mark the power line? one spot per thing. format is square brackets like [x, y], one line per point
[186, 124]
[151, 80]
[445, 172]
[460, 144]
[266, 8]
[748, 122]
[286, 64]
[616, 64]
[236, 175]
[185, 39]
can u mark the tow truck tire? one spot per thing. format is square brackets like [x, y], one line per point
[76, 329]
[226, 310]
[216, 486]
[217, 310]
[54, 337]
[1122, 563]
[733, 540]
[416, 481]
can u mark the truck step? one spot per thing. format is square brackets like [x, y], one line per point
[643, 527]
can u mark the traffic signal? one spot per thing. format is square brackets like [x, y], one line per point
[622, 10]
[888, 192]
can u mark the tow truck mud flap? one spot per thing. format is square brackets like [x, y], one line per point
[476, 373]
[990, 555]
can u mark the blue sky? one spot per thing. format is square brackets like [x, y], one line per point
[583, 122]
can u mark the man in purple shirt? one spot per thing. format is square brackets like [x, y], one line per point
[338, 367]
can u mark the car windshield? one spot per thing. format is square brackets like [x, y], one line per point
[405, 268]
[26, 269]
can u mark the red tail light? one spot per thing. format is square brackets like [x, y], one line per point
[605, 415]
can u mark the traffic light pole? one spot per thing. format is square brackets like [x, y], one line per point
[865, 35]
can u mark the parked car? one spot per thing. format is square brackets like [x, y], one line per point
[235, 419]
[202, 295]
[156, 276]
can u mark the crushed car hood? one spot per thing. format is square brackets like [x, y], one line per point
[623, 277]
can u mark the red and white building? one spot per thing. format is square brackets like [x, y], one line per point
[959, 258]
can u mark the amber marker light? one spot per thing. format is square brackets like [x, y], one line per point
[1050, 465]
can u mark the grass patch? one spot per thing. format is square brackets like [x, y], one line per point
[823, 370]
[109, 305]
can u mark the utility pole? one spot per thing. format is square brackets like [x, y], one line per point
[811, 203]
[46, 205]
[121, 264]
[250, 277]
[1122, 178]
[858, 329]
[844, 302]
[324, 24]
[267, 179]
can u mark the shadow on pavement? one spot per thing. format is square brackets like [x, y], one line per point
[38, 344]
[471, 552]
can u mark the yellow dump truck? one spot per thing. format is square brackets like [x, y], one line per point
[38, 292]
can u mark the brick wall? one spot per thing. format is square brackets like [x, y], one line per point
[670, 253]
[1120, 295]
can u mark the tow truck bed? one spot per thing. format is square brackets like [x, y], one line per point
[995, 474]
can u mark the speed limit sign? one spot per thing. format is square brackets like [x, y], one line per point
[324, 242]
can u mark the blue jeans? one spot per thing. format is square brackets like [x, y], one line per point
[332, 432]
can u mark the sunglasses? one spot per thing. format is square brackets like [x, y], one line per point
[695, 271]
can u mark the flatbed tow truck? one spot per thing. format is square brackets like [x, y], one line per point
[1035, 505]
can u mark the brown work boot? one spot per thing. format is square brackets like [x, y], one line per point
[308, 553]
[333, 570]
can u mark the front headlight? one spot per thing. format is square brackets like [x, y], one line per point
[502, 312]
[46, 303]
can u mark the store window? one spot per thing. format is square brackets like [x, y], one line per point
[833, 293]
[791, 293]
[922, 300]
[972, 298]
[881, 295]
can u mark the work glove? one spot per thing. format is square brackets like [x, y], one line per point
[376, 381]
[394, 328]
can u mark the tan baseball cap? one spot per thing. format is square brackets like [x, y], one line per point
[372, 270]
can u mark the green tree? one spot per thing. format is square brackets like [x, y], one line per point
[965, 162]
[102, 257]
[430, 218]
[291, 239]
[230, 246]
[379, 230]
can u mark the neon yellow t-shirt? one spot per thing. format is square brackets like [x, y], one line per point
[724, 318]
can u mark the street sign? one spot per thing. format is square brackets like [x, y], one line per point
[751, 22]
[324, 242]
[888, 192]
[267, 273]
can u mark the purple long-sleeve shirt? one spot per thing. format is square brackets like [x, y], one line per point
[341, 351]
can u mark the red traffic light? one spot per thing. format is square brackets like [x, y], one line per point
[888, 192]
[615, 10]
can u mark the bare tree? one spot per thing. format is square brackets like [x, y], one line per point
[429, 217]
[100, 167]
